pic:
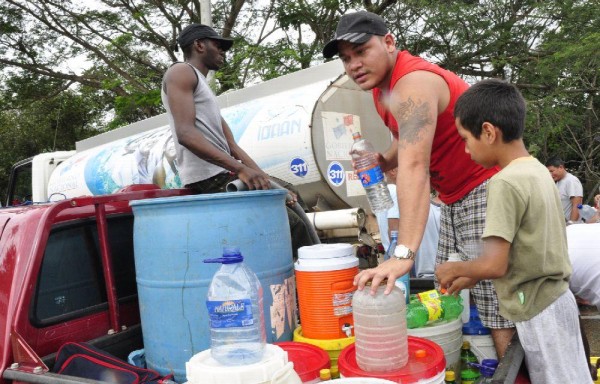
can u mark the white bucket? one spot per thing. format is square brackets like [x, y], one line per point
[361, 380]
[274, 368]
[437, 379]
[448, 336]
[482, 346]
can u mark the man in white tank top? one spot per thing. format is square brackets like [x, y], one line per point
[207, 155]
[206, 149]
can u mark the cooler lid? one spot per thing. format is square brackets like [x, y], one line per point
[325, 251]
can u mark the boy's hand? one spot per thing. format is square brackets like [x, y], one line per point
[459, 284]
[445, 273]
[450, 280]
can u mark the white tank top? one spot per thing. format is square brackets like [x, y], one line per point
[208, 121]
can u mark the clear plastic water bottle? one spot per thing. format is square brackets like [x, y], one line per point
[370, 174]
[464, 294]
[586, 212]
[235, 308]
[380, 330]
[392, 247]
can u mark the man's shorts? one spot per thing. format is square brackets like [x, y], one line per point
[461, 226]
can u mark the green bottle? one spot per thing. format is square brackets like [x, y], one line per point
[451, 307]
[468, 374]
[416, 315]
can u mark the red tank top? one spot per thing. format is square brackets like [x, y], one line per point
[453, 173]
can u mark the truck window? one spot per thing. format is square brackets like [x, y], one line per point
[71, 282]
[19, 188]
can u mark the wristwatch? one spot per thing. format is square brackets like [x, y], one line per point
[403, 252]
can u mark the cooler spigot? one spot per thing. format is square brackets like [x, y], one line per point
[347, 329]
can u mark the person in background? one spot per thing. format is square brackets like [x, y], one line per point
[425, 260]
[585, 279]
[569, 187]
[208, 157]
[415, 99]
[524, 241]
[388, 221]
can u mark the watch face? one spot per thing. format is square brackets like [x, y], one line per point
[403, 252]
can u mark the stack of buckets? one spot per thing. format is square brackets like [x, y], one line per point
[448, 336]
[324, 280]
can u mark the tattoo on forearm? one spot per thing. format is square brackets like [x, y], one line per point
[412, 119]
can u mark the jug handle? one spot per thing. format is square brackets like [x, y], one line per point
[281, 372]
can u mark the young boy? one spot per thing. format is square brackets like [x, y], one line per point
[524, 241]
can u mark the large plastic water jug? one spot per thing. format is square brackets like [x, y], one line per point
[235, 309]
[380, 329]
[172, 237]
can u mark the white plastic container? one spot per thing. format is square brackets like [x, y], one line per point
[380, 330]
[464, 294]
[448, 336]
[482, 346]
[437, 379]
[274, 368]
[361, 380]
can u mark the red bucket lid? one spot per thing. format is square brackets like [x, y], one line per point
[425, 360]
[308, 359]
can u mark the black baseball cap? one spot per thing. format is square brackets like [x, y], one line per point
[355, 28]
[195, 32]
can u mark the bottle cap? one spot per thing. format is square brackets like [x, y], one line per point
[579, 206]
[231, 255]
[466, 345]
[335, 371]
[450, 376]
[325, 374]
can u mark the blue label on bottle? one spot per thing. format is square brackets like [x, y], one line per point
[371, 176]
[230, 313]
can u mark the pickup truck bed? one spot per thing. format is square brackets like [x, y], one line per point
[67, 273]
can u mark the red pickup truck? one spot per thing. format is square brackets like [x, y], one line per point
[67, 274]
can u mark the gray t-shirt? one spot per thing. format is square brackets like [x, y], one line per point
[569, 186]
[208, 121]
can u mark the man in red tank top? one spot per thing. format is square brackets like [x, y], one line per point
[416, 100]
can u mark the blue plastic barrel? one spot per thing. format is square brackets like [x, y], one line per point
[172, 236]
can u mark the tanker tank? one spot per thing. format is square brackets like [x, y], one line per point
[297, 127]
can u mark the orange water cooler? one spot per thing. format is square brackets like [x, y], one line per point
[324, 276]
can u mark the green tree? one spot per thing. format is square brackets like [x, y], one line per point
[549, 49]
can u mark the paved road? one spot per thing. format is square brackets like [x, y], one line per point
[591, 323]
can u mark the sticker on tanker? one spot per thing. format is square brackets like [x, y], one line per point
[335, 173]
[299, 167]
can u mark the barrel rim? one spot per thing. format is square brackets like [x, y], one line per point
[207, 196]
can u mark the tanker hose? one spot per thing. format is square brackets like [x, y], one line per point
[238, 185]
